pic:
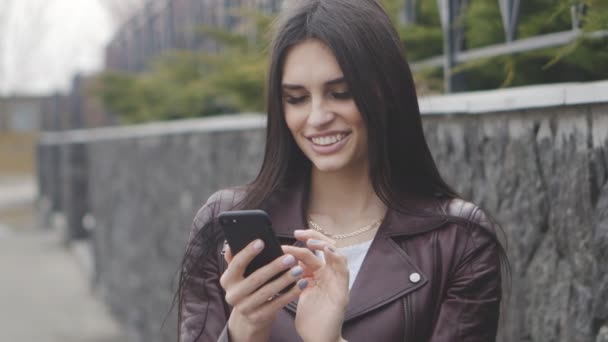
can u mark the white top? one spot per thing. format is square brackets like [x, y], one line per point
[355, 255]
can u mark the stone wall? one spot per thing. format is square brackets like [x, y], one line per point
[542, 172]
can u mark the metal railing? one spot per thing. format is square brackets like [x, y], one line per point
[453, 34]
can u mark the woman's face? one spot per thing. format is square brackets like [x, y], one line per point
[320, 111]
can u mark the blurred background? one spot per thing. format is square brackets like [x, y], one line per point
[118, 118]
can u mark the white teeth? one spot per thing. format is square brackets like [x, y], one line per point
[328, 140]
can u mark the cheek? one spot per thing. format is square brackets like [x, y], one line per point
[355, 118]
[292, 121]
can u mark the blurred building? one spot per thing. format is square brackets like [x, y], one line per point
[33, 114]
[175, 24]
[20, 120]
[20, 114]
[23, 118]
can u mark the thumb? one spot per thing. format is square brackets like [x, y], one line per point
[227, 252]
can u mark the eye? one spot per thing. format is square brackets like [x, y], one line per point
[344, 95]
[294, 99]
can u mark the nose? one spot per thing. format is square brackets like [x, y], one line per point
[319, 115]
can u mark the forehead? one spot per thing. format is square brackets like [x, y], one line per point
[309, 63]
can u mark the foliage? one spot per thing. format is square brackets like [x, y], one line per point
[183, 84]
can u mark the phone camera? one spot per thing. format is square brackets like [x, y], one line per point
[234, 221]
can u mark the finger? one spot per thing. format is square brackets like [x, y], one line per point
[318, 245]
[305, 256]
[304, 235]
[238, 264]
[270, 290]
[335, 260]
[227, 253]
[282, 300]
[257, 279]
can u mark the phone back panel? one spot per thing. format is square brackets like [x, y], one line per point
[242, 227]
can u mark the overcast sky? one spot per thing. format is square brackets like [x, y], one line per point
[44, 42]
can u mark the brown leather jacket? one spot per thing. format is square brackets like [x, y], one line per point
[424, 278]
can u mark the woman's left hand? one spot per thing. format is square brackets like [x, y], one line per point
[322, 304]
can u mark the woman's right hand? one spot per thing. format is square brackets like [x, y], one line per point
[255, 305]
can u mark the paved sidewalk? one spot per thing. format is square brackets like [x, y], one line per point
[45, 295]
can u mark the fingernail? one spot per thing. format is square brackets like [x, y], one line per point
[297, 271]
[302, 284]
[289, 260]
[258, 245]
[298, 231]
[314, 242]
[331, 249]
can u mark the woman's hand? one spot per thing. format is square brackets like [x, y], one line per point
[254, 304]
[322, 304]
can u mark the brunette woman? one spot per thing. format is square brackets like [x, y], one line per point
[378, 246]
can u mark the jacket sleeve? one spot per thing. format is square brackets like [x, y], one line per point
[204, 313]
[470, 309]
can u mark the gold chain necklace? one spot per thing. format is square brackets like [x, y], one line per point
[347, 235]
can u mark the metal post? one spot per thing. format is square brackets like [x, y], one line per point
[453, 41]
[170, 26]
[275, 6]
[577, 12]
[509, 10]
[408, 12]
[446, 11]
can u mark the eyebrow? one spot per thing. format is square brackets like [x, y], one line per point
[338, 80]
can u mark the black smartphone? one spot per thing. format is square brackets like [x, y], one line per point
[241, 227]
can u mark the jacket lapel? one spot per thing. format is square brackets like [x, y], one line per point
[387, 272]
[383, 277]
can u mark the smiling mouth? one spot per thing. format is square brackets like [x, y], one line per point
[328, 139]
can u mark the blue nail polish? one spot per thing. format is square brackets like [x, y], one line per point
[297, 271]
[302, 284]
[314, 242]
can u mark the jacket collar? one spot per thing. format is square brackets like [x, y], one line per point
[386, 270]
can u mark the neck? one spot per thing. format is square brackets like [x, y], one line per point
[344, 197]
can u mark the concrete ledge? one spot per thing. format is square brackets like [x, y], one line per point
[218, 123]
[520, 98]
[491, 101]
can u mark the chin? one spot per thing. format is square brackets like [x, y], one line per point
[328, 165]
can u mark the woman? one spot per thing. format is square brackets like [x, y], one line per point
[347, 174]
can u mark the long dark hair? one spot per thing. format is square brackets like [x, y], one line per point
[371, 56]
[368, 50]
